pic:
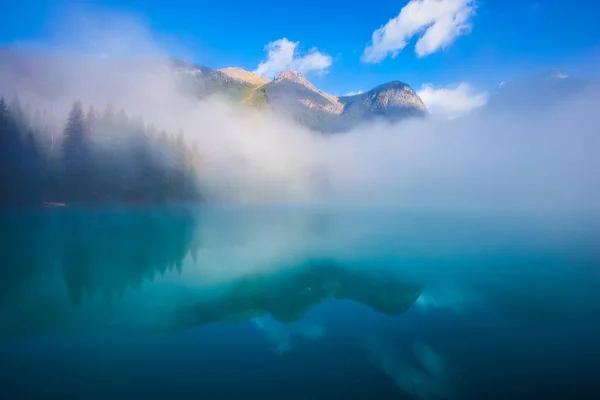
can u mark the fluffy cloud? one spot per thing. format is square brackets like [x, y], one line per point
[439, 22]
[354, 93]
[283, 54]
[451, 102]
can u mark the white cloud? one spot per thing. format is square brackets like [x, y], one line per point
[354, 93]
[559, 75]
[283, 54]
[451, 102]
[439, 21]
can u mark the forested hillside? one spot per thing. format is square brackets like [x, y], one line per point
[91, 157]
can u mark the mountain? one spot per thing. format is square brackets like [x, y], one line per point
[244, 76]
[202, 81]
[393, 100]
[291, 94]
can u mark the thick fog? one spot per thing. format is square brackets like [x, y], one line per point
[524, 159]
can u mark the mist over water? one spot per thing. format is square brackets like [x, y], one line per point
[423, 259]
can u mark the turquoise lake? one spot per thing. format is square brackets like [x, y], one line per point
[295, 302]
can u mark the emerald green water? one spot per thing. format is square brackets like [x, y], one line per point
[295, 302]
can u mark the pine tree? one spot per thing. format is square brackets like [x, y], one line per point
[4, 140]
[74, 133]
[18, 116]
[32, 169]
[109, 113]
[122, 119]
[75, 153]
[90, 123]
[11, 154]
[37, 124]
[151, 132]
[3, 112]
[192, 176]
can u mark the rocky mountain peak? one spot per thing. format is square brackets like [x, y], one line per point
[398, 93]
[306, 93]
[391, 94]
[293, 76]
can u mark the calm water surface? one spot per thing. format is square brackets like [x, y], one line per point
[297, 303]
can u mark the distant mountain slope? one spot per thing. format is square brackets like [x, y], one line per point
[244, 76]
[289, 93]
[393, 100]
[203, 81]
[292, 94]
[295, 87]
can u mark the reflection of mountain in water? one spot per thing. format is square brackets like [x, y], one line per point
[68, 268]
[288, 295]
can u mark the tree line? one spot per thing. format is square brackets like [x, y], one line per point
[92, 157]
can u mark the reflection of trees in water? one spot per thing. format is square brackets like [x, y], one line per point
[100, 254]
[97, 251]
[21, 247]
[105, 251]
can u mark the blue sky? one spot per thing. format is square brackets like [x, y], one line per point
[497, 40]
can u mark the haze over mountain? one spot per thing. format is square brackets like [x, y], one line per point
[289, 94]
[292, 95]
